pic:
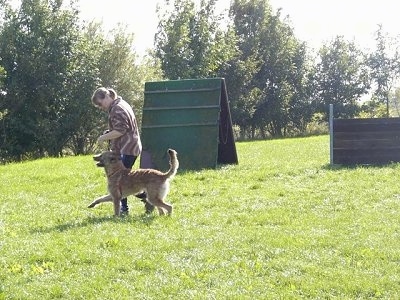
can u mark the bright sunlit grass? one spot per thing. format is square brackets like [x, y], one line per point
[282, 224]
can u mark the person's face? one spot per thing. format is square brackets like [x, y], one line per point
[103, 103]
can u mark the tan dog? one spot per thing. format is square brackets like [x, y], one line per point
[123, 182]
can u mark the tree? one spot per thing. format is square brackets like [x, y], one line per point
[244, 63]
[189, 43]
[110, 62]
[283, 77]
[341, 78]
[84, 119]
[277, 79]
[2, 78]
[148, 70]
[395, 102]
[372, 109]
[36, 49]
[385, 66]
[119, 69]
[52, 65]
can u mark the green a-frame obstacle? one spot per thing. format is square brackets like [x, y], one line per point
[191, 116]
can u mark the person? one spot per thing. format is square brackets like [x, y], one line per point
[122, 134]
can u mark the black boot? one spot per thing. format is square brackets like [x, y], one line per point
[149, 207]
[124, 206]
[143, 197]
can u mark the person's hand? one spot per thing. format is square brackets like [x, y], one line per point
[101, 141]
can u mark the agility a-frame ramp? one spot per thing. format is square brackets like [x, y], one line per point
[191, 116]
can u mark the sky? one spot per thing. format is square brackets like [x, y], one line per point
[314, 21]
[318, 21]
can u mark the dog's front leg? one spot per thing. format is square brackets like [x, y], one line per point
[117, 205]
[105, 198]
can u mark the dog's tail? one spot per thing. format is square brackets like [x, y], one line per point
[173, 163]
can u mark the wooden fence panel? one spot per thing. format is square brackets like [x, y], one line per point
[365, 141]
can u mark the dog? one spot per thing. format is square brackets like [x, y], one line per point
[123, 182]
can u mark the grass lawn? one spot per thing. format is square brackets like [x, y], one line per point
[282, 224]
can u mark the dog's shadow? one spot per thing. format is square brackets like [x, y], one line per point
[146, 219]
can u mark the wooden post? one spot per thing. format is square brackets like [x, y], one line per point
[331, 133]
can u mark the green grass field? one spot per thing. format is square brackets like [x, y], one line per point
[282, 224]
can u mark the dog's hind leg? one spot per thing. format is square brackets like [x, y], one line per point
[105, 198]
[157, 199]
[161, 211]
[161, 206]
[167, 207]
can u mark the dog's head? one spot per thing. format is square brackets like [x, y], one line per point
[172, 151]
[107, 158]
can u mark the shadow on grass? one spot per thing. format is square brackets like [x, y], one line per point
[146, 219]
[337, 167]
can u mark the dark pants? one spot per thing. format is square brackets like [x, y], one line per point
[128, 161]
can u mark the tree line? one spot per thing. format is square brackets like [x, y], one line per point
[51, 61]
